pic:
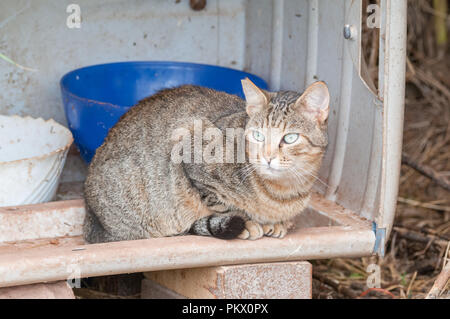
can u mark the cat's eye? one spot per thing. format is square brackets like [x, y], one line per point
[258, 136]
[290, 138]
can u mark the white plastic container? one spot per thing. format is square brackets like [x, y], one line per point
[32, 156]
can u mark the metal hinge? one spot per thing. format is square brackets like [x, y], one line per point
[380, 240]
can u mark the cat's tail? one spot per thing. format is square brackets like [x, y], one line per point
[223, 226]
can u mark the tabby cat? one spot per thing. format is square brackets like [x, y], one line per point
[137, 187]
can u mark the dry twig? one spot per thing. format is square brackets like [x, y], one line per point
[427, 171]
[334, 284]
[416, 203]
[441, 281]
[418, 237]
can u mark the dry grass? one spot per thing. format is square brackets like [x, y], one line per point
[415, 252]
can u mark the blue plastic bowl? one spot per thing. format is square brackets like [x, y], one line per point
[95, 97]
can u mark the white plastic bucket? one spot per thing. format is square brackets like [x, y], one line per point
[32, 156]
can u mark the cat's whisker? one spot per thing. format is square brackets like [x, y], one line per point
[315, 177]
[298, 176]
[301, 177]
[242, 171]
[253, 168]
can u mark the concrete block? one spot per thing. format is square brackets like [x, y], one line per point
[291, 280]
[56, 290]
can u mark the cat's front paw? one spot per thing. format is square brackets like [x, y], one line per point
[278, 230]
[252, 231]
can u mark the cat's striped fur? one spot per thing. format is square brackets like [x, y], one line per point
[134, 190]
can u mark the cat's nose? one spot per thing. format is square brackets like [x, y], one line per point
[269, 160]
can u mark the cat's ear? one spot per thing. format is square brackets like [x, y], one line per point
[256, 98]
[315, 101]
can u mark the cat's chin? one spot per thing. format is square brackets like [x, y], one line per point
[272, 173]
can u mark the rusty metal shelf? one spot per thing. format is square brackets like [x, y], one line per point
[43, 242]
